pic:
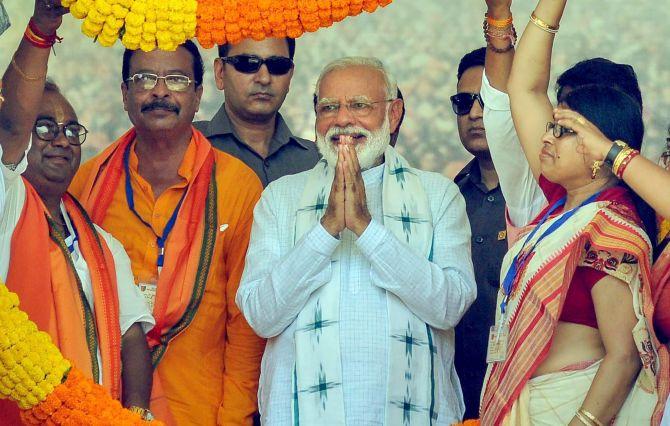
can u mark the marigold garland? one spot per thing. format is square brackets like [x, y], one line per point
[164, 24]
[32, 370]
[474, 422]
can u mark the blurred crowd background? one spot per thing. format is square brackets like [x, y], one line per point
[420, 41]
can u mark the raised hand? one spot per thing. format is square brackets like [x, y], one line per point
[593, 144]
[498, 5]
[356, 214]
[333, 219]
[48, 15]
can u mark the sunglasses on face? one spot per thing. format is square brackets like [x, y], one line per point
[557, 130]
[147, 81]
[250, 64]
[462, 102]
[48, 130]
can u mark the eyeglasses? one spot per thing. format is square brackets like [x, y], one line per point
[48, 130]
[359, 108]
[558, 130]
[174, 82]
[462, 102]
[250, 64]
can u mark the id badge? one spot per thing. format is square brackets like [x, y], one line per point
[148, 290]
[498, 339]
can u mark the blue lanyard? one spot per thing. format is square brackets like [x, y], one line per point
[522, 256]
[160, 240]
[70, 247]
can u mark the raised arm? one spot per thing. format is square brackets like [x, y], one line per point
[499, 51]
[523, 197]
[23, 82]
[649, 180]
[529, 79]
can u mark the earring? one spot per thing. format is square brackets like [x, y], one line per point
[595, 168]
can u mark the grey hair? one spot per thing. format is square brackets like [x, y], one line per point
[365, 61]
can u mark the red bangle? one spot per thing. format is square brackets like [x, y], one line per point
[626, 161]
[38, 39]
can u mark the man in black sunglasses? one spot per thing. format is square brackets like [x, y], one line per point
[485, 205]
[255, 77]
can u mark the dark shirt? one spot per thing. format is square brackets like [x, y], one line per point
[486, 211]
[287, 154]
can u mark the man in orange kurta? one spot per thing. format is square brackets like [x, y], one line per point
[163, 185]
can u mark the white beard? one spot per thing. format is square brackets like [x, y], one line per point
[369, 153]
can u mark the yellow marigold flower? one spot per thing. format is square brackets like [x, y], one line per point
[134, 19]
[103, 7]
[149, 27]
[96, 17]
[90, 29]
[147, 46]
[119, 11]
[134, 31]
[131, 39]
[128, 3]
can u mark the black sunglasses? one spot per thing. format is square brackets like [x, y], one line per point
[462, 102]
[250, 64]
[557, 130]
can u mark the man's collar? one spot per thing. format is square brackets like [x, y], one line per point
[470, 170]
[220, 125]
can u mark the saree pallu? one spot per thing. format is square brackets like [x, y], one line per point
[602, 235]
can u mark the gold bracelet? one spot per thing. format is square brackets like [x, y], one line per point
[590, 416]
[23, 74]
[543, 25]
[585, 421]
[619, 159]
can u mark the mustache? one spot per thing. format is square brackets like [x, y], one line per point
[160, 104]
[347, 131]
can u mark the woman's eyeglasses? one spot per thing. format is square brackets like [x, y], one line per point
[250, 64]
[174, 82]
[557, 130]
[48, 130]
[462, 102]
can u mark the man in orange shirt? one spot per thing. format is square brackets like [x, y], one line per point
[183, 212]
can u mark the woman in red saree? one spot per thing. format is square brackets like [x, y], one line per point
[572, 342]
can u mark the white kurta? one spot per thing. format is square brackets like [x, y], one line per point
[524, 198]
[280, 276]
[132, 306]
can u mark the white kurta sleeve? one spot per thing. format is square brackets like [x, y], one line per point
[133, 307]
[275, 287]
[438, 291]
[12, 199]
[523, 196]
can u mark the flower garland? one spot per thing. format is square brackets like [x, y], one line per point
[34, 374]
[474, 422]
[165, 24]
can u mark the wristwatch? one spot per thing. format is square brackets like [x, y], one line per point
[145, 413]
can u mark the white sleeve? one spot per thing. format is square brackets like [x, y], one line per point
[12, 198]
[275, 286]
[133, 307]
[523, 196]
[440, 291]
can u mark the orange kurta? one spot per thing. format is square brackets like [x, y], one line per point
[210, 371]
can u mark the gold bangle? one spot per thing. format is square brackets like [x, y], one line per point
[543, 25]
[23, 74]
[584, 420]
[619, 159]
[590, 416]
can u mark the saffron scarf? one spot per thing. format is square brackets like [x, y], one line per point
[317, 380]
[537, 299]
[189, 248]
[41, 272]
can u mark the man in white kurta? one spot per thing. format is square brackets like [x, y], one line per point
[351, 295]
